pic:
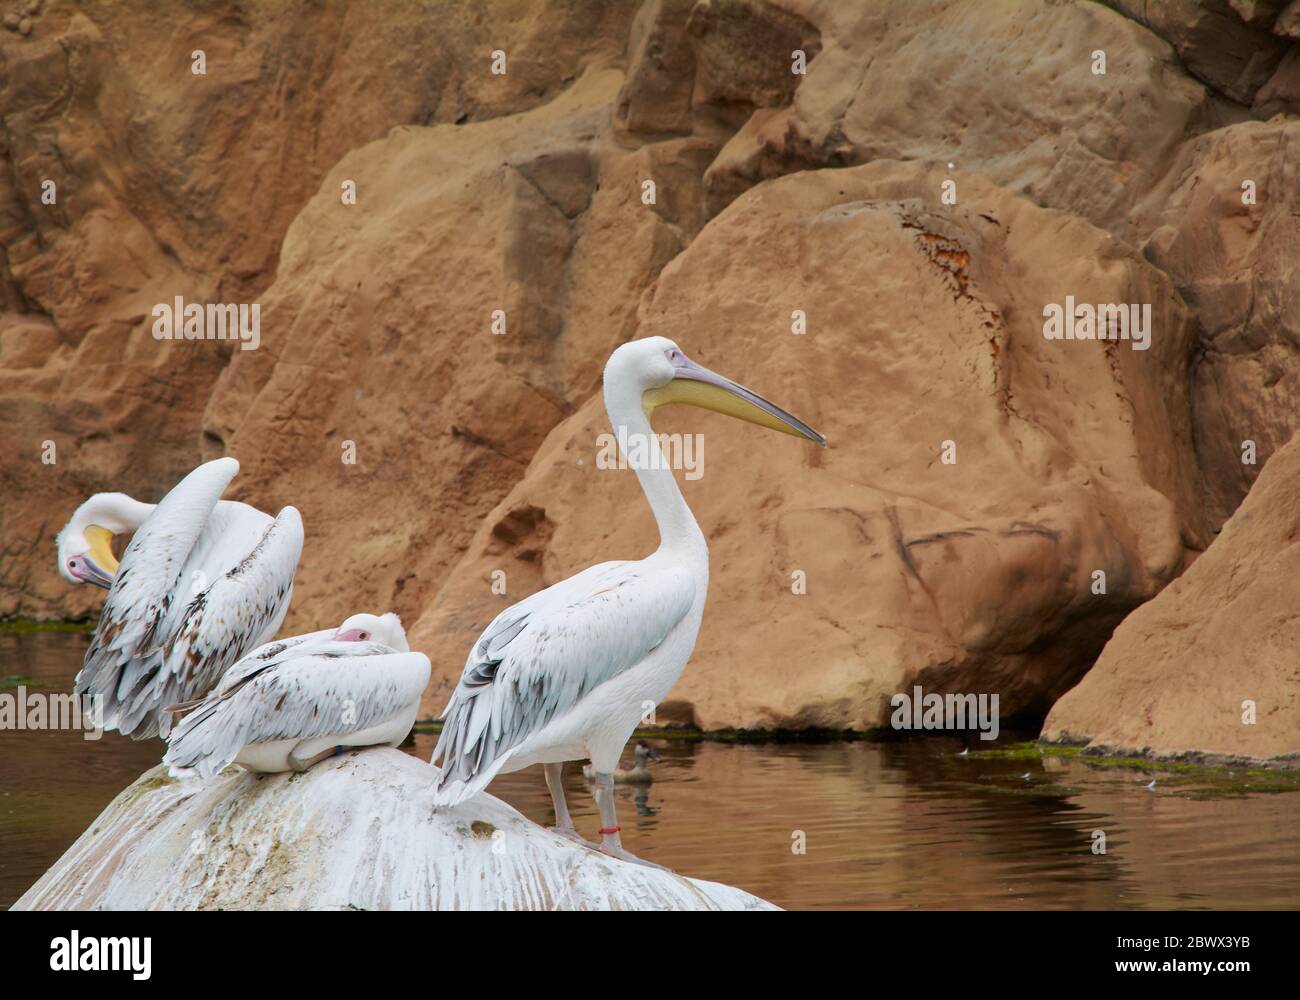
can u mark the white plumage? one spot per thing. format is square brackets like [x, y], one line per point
[202, 581]
[542, 658]
[567, 673]
[292, 702]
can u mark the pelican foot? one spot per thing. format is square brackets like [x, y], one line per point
[299, 765]
[569, 833]
[622, 855]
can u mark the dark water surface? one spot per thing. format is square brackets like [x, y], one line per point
[886, 825]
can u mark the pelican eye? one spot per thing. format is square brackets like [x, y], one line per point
[363, 636]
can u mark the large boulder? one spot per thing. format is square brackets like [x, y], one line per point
[526, 192]
[1225, 43]
[358, 832]
[1224, 228]
[173, 183]
[924, 326]
[382, 403]
[898, 81]
[1208, 668]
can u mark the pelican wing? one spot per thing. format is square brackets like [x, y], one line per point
[268, 654]
[288, 691]
[541, 657]
[271, 654]
[127, 645]
[235, 612]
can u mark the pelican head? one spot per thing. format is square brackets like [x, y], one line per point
[85, 547]
[385, 629]
[664, 374]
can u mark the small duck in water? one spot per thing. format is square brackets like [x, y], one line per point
[638, 775]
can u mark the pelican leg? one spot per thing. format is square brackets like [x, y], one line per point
[300, 765]
[563, 821]
[610, 842]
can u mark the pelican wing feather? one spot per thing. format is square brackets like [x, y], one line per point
[153, 647]
[539, 658]
[127, 644]
[231, 615]
[295, 691]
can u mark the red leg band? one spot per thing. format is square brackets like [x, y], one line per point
[603, 831]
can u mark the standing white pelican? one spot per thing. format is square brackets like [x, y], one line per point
[202, 582]
[291, 703]
[566, 673]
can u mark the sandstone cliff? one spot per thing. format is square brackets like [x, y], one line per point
[1208, 668]
[942, 170]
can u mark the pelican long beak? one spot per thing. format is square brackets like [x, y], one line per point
[101, 565]
[695, 385]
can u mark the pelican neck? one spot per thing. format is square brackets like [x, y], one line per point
[678, 529]
[116, 512]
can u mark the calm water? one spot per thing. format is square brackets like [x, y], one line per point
[887, 825]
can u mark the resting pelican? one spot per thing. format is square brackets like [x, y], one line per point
[566, 673]
[292, 703]
[638, 774]
[202, 582]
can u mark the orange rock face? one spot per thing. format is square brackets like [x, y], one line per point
[449, 216]
[168, 182]
[1208, 667]
[978, 474]
[1228, 236]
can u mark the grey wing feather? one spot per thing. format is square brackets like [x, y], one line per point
[126, 649]
[321, 689]
[268, 654]
[540, 658]
[222, 622]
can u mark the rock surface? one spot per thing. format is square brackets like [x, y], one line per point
[358, 832]
[401, 362]
[1225, 43]
[898, 82]
[1182, 672]
[526, 192]
[1071, 457]
[1225, 230]
[168, 183]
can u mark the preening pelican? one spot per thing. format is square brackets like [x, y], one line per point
[291, 703]
[566, 673]
[202, 581]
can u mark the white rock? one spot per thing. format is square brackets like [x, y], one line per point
[355, 832]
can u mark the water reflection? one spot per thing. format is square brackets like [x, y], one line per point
[907, 824]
